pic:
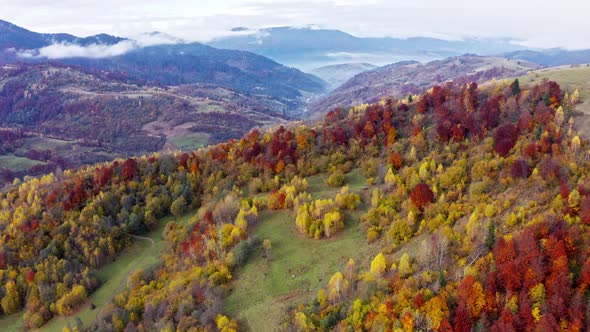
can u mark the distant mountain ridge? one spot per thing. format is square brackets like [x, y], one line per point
[13, 36]
[168, 64]
[552, 57]
[321, 47]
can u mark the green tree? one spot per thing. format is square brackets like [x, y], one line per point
[515, 87]
[491, 236]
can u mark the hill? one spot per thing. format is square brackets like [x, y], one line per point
[571, 78]
[552, 57]
[54, 115]
[410, 77]
[336, 75]
[309, 47]
[466, 207]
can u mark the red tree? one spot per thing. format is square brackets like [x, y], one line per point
[421, 195]
[505, 138]
[520, 169]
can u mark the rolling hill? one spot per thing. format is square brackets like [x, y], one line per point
[572, 78]
[410, 77]
[66, 116]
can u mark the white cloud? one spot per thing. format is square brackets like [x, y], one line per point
[539, 23]
[67, 50]
[97, 51]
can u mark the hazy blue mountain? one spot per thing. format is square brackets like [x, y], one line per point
[309, 48]
[552, 57]
[336, 75]
[197, 63]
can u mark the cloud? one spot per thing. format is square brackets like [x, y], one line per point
[98, 51]
[539, 23]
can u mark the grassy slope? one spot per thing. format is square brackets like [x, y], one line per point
[569, 79]
[18, 164]
[265, 289]
[190, 141]
[140, 255]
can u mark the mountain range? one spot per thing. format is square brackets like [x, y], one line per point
[552, 57]
[164, 63]
[308, 48]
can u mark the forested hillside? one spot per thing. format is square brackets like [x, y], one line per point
[411, 77]
[476, 207]
[57, 116]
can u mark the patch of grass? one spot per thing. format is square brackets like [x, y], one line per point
[140, 255]
[264, 289]
[18, 164]
[13, 323]
[209, 108]
[189, 142]
[319, 189]
[44, 143]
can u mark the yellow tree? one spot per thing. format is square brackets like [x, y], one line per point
[336, 287]
[378, 265]
[404, 267]
[11, 302]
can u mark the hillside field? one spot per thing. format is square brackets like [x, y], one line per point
[265, 288]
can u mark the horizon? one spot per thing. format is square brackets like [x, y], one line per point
[208, 20]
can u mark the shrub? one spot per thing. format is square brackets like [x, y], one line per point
[336, 179]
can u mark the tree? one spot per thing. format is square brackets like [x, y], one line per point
[472, 295]
[521, 169]
[178, 206]
[575, 98]
[396, 160]
[404, 267]
[421, 195]
[491, 236]
[337, 286]
[515, 86]
[378, 265]
[505, 138]
[11, 302]
[336, 179]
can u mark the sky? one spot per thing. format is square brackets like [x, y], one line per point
[534, 23]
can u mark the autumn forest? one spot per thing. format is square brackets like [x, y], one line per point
[474, 199]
